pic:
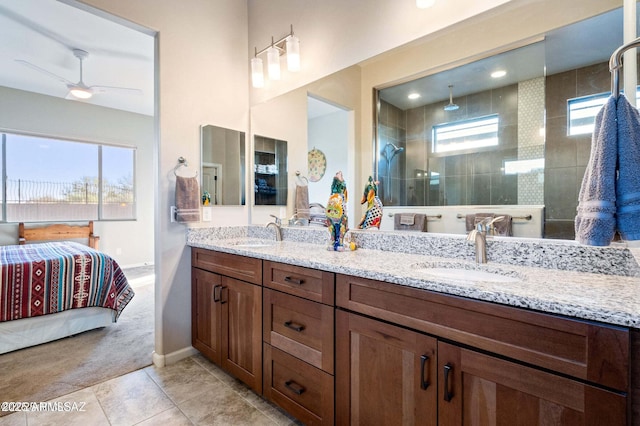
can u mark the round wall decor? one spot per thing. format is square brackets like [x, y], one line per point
[317, 164]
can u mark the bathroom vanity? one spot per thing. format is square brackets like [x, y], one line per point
[527, 344]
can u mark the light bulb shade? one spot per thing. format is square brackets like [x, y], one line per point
[80, 93]
[273, 63]
[257, 73]
[293, 54]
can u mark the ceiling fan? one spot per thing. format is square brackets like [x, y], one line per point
[80, 90]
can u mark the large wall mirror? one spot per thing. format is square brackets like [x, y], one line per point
[223, 165]
[510, 129]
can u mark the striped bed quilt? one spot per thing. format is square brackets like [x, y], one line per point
[45, 278]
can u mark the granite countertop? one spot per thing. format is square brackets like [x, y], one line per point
[612, 299]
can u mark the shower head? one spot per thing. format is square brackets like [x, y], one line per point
[390, 150]
[451, 106]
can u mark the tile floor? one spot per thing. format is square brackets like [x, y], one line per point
[190, 392]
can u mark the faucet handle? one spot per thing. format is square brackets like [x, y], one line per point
[276, 219]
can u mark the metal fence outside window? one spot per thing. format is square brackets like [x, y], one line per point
[23, 191]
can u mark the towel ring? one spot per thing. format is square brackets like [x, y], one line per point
[182, 162]
[302, 179]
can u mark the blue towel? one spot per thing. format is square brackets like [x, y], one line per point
[628, 184]
[595, 222]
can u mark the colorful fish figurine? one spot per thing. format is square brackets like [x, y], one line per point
[373, 215]
[336, 212]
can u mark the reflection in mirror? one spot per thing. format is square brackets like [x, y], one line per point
[503, 130]
[270, 170]
[327, 137]
[223, 165]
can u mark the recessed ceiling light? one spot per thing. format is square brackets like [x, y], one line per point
[413, 95]
[498, 74]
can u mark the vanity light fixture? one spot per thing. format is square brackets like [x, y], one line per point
[257, 71]
[425, 4]
[413, 95]
[289, 45]
[498, 74]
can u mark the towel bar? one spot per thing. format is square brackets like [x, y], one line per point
[615, 64]
[435, 216]
[527, 217]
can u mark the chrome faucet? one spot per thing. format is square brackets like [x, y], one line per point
[278, 229]
[479, 237]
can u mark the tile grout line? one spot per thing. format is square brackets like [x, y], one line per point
[175, 404]
[237, 393]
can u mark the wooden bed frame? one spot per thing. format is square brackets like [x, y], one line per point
[58, 232]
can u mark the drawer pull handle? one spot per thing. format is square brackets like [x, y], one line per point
[294, 280]
[216, 293]
[294, 326]
[424, 383]
[447, 394]
[294, 387]
[222, 302]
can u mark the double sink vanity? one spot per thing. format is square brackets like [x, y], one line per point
[544, 333]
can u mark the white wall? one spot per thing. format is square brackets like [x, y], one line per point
[335, 34]
[329, 134]
[202, 79]
[129, 242]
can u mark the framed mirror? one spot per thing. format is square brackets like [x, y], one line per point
[223, 165]
[270, 171]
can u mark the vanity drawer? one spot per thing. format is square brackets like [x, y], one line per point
[302, 390]
[583, 349]
[232, 265]
[299, 327]
[303, 282]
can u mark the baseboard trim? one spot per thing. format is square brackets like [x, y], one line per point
[173, 357]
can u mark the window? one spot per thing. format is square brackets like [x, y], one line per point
[466, 134]
[54, 180]
[581, 114]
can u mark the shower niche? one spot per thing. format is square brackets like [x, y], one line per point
[270, 172]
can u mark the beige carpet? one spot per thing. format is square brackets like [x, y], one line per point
[53, 369]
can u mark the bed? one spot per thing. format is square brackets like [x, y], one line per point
[50, 289]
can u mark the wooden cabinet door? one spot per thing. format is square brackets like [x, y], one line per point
[385, 375]
[479, 389]
[206, 313]
[241, 305]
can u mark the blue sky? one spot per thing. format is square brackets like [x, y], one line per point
[41, 159]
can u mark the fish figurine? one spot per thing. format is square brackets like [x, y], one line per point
[336, 212]
[373, 215]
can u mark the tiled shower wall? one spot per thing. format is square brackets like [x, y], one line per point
[473, 178]
[567, 156]
[418, 178]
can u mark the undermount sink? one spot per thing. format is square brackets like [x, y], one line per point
[253, 243]
[468, 272]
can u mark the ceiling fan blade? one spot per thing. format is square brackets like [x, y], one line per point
[42, 70]
[123, 90]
